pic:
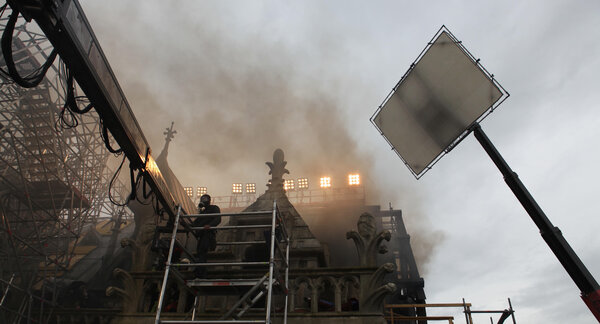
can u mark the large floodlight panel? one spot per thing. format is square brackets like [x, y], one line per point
[443, 93]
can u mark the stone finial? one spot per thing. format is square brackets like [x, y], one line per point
[277, 170]
[368, 241]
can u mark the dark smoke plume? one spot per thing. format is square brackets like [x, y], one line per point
[234, 97]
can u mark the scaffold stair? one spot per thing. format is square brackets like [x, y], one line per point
[249, 290]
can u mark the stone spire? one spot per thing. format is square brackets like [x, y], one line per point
[170, 134]
[277, 171]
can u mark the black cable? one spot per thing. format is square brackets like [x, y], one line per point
[35, 77]
[145, 194]
[65, 123]
[110, 184]
[3, 8]
[66, 117]
[71, 100]
[5, 73]
[104, 133]
[133, 183]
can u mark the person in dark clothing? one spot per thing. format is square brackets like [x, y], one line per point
[207, 237]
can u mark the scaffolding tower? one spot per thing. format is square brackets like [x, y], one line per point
[249, 291]
[54, 180]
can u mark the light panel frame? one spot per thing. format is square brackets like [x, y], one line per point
[467, 129]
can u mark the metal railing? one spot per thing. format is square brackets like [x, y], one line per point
[394, 318]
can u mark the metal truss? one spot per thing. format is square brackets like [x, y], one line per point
[53, 182]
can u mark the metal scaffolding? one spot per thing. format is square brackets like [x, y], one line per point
[248, 291]
[54, 181]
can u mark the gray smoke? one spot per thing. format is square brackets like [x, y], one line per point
[236, 96]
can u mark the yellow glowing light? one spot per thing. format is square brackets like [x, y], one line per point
[354, 179]
[302, 183]
[201, 191]
[288, 185]
[325, 182]
[236, 188]
[189, 191]
[250, 187]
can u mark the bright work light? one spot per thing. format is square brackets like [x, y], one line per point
[236, 188]
[354, 179]
[302, 183]
[288, 185]
[325, 182]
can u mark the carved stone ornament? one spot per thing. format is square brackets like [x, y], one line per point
[277, 170]
[368, 243]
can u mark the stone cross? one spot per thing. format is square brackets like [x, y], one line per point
[170, 133]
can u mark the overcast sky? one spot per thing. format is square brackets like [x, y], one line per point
[241, 78]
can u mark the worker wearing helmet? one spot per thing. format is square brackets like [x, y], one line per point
[206, 236]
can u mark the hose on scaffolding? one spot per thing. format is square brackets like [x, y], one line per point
[35, 77]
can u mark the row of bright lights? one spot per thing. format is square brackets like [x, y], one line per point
[324, 182]
[353, 180]
[237, 188]
[189, 191]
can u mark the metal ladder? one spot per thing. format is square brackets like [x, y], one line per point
[278, 260]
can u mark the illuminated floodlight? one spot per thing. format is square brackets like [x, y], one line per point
[236, 188]
[189, 191]
[354, 179]
[250, 187]
[201, 191]
[325, 182]
[288, 185]
[303, 183]
[434, 105]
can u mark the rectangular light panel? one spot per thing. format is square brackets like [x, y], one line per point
[303, 183]
[325, 182]
[288, 185]
[236, 188]
[189, 191]
[433, 105]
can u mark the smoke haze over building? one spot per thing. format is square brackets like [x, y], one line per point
[241, 79]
